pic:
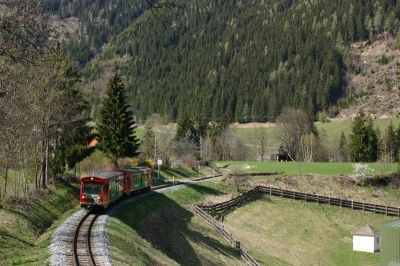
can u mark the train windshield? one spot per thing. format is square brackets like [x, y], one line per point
[91, 188]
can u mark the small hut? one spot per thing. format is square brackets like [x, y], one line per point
[366, 239]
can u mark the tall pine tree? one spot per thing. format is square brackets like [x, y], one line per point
[116, 127]
[364, 140]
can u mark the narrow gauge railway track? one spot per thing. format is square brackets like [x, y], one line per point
[82, 247]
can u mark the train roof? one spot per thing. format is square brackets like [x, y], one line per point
[106, 175]
[134, 169]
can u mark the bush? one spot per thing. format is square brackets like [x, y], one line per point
[362, 171]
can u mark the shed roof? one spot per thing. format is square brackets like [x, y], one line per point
[366, 231]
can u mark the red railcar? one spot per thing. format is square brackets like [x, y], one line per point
[103, 189]
[136, 179]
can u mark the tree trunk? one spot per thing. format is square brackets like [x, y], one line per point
[36, 176]
[47, 164]
[5, 182]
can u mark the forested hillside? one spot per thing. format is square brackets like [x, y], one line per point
[244, 60]
[99, 21]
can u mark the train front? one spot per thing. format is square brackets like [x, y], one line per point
[92, 192]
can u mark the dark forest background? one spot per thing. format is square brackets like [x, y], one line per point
[241, 60]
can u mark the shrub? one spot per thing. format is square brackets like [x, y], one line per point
[362, 171]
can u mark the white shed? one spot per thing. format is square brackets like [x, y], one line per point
[366, 239]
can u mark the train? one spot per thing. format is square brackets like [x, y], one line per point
[101, 190]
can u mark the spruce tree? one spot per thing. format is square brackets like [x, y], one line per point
[116, 127]
[364, 141]
[186, 130]
[343, 152]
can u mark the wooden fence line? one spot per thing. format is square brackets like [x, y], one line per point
[228, 236]
[207, 212]
[295, 195]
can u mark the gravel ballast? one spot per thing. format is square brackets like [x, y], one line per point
[61, 247]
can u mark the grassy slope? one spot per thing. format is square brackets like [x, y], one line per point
[25, 232]
[161, 230]
[301, 233]
[298, 168]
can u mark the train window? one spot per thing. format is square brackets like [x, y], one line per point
[91, 188]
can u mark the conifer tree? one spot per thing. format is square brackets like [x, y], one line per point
[116, 127]
[364, 140]
[186, 130]
[343, 152]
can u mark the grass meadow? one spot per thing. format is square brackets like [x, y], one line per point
[300, 168]
[298, 233]
[331, 131]
[161, 229]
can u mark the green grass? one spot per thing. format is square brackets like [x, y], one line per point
[334, 129]
[301, 233]
[181, 174]
[292, 168]
[330, 130]
[139, 132]
[161, 229]
[25, 230]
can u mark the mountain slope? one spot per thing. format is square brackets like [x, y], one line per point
[374, 79]
[243, 60]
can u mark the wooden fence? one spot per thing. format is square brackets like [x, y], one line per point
[295, 195]
[228, 236]
[344, 203]
[233, 203]
[208, 212]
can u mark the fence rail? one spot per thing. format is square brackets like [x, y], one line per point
[207, 212]
[344, 203]
[228, 236]
[296, 195]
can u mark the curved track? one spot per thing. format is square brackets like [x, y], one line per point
[82, 250]
[82, 247]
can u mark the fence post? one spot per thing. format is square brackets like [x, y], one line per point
[306, 197]
[270, 191]
[282, 193]
[294, 195]
[386, 210]
[329, 200]
[341, 201]
[317, 199]
[363, 206]
[237, 245]
[352, 205]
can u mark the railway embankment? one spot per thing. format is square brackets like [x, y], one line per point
[26, 226]
[75, 242]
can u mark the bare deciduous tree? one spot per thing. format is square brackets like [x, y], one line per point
[294, 124]
[259, 139]
[23, 31]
